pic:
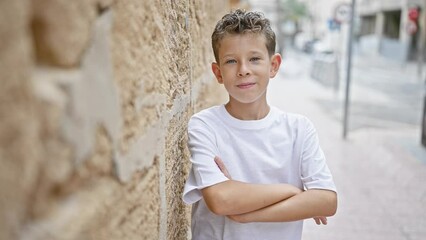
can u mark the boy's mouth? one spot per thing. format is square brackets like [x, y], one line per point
[245, 85]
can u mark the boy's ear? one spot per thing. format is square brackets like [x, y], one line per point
[216, 72]
[275, 64]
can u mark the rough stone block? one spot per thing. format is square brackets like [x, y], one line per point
[62, 30]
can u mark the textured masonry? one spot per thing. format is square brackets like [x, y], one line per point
[95, 96]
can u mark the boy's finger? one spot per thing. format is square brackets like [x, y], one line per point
[317, 221]
[222, 167]
[320, 220]
[219, 162]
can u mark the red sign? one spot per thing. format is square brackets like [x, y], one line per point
[413, 14]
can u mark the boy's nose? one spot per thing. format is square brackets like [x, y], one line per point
[243, 70]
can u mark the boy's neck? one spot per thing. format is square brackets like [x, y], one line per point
[247, 111]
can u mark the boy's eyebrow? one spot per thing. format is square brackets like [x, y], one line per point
[254, 51]
[227, 55]
[232, 54]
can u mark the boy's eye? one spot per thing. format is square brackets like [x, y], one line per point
[254, 59]
[230, 61]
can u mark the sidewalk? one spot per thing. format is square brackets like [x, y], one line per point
[380, 169]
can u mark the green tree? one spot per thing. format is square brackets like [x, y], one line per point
[292, 11]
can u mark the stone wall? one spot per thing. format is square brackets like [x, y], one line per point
[94, 100]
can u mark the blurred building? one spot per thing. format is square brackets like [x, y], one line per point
[390, 28]
[324, 29]
[322, 12]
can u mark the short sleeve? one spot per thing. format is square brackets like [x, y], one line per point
[204, 171]
[314, 170]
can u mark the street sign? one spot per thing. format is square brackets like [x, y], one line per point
[413, 14]
[333, 24]
[411, 27]
[342, 13]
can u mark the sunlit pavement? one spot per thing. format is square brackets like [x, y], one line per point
[380, 169]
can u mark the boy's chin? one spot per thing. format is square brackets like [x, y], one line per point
[246, 101]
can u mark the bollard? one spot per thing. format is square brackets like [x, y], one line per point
[325, 70]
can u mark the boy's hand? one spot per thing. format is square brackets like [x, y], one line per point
[320, 220]
[222, 167]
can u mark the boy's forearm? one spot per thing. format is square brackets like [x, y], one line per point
[309, 204]
[234, 197]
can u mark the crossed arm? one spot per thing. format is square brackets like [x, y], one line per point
[245, 202]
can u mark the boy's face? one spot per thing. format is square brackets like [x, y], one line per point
[245, 67]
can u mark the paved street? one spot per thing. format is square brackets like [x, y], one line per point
[380, 169]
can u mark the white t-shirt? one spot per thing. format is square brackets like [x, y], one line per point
[280, 148]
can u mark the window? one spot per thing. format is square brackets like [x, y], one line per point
[392, 24]
[368, 25]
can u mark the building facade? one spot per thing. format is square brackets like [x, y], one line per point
[386, 28]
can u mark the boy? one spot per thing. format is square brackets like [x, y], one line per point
[251, 162]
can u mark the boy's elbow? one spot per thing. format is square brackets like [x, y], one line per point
[217, 209]
[217, 201]
[332, 204]
[220, 205]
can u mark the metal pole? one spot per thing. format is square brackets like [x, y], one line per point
[421, 43]
[348, 70]
[279, 21]
[422, 25]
